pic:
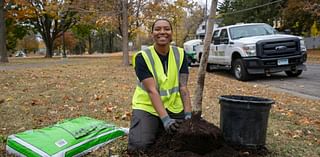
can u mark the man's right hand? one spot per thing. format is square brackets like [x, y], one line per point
[170, 125]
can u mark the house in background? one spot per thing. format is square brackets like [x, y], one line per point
[201, 31]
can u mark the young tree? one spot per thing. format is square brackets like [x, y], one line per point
[3, 50]
[197, 101]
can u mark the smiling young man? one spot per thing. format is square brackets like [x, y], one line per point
[161, 99]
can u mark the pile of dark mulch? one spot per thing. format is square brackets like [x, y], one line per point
[197, 138]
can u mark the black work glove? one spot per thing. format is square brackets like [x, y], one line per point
[170, 125]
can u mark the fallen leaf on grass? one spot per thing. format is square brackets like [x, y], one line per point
[79, 100]
[21, 129]
[109, 109]
[53, 112]
[35, 102]
[97, 97]
[9, 99]
[124, 117]
[128, 113]
[66, 98]
[71, 108]
[316, 122]
[304, 121]
[116, 117]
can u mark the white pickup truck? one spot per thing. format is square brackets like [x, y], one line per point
[255, 48]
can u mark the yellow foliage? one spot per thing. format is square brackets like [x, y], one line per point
[314, 30]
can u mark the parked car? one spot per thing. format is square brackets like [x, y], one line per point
[20, 54]
[190, 50]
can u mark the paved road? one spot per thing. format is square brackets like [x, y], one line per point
[33, 65]
[306, 85]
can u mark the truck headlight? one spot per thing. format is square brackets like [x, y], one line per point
[250, 50]
[302, 46]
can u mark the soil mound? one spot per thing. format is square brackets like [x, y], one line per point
[197, 138]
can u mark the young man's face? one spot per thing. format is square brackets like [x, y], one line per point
[162, 33]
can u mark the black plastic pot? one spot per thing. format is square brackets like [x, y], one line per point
[244, 120]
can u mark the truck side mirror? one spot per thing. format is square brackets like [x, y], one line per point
[216, 41]
[224, 41]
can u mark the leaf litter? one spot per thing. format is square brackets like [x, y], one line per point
[102, 88]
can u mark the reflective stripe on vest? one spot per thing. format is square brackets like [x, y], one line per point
[162, 92]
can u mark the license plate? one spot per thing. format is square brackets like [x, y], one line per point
[283, 62]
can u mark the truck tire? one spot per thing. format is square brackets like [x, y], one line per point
[293, 73]
[189, 60]
[208, 69]
[239, 71]
[200, 55]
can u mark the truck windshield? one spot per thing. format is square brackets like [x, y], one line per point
[251, 30]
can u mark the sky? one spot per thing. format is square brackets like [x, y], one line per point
[203, 2]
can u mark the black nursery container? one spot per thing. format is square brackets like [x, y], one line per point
[244, 120]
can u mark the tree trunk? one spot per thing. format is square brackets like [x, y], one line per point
[90, 44]
[102, 42]
[125, 33]
[3, 49]
[49, 47]
[197, 101]
[110, 42]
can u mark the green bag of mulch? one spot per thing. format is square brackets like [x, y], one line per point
[74, 137]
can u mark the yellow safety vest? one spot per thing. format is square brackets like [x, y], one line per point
[167, 85]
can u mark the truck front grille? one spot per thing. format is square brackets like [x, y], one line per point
[278, 47]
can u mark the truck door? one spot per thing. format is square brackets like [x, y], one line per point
[221, 47]
[213, 57]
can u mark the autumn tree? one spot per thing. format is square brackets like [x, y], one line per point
[314, 30]
[49, 18]
[313, 7]
[302, 20]
[69, 40]
[83, 32]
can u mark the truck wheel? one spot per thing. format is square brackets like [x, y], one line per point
[294, 73]
[208, 69]
[200, 55]
[189, 60]
[239, 71]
